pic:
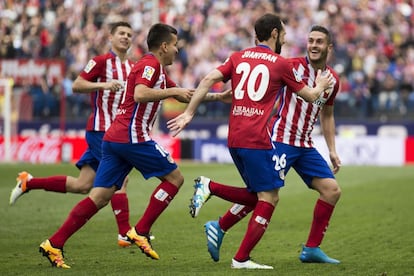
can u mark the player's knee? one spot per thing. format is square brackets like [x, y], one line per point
[176, 178]
[179, 181]
[83, 188]
[336, 194]
[333, 194]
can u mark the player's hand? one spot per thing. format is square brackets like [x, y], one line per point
[336, 162]
[184, 95]
[178, 123]
[225, 96]
[325, 79]
[114, 85]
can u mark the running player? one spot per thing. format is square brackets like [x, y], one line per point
[295, 120]
[257, 76]
[127, 144]
[104, 79]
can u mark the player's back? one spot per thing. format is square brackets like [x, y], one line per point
[257, 75]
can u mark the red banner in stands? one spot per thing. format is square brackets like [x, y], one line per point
[24, 71]
[50, 149]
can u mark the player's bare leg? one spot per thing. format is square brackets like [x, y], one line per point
[83, 183]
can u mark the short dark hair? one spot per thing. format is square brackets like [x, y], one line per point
[115, 25]
[265, 25]
[158, 34]
[322, 29]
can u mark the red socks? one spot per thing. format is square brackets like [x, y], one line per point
[233, 194]
[256, 228]
[79, 215]
[119, 203]
[321, 216]
[160, 198]
[235, 214]
[52, 183]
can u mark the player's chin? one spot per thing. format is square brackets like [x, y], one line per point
[314, 56]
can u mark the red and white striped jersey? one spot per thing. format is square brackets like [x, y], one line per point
[134, 121]
[257, 75]
[104, 103]
[295, 118]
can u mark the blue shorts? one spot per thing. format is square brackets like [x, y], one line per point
[93, 154]
[307, 162]
[118, 159]
[257, 168]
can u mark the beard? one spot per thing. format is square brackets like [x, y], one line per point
[322, 58]
[278, 48]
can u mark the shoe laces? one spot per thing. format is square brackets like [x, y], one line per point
[147, 246]
[199, 185]
[57, 257]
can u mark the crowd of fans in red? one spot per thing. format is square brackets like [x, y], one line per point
[373, 42]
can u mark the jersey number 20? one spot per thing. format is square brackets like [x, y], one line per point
[249, 81]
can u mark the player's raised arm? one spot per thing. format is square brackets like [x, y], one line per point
[178, 123]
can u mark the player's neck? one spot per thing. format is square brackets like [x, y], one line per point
[122, 56]
[318, 65]
[159, 56]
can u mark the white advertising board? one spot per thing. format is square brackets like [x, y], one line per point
[366, 150]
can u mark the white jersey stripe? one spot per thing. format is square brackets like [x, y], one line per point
[134, 136]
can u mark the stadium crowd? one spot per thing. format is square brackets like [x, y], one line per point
[373, 42]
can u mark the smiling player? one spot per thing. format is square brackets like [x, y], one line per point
[291, 135]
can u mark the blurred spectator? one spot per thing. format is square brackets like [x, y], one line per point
[388, 96]
[343, 101]
[374, 38]
[45, 101]
[407, 99]
[360, 99]
[77, 104]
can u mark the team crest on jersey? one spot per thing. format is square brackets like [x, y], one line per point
[298, 76]
[89, 66]
[148, 72]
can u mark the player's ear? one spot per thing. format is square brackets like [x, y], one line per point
[164, 46]
[275, 33]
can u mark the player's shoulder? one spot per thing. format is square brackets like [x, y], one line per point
[147, 60]
[297, 60]
[334, 73]
[96, 63]
[102, 58]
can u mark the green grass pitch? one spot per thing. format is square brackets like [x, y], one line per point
[371, 231]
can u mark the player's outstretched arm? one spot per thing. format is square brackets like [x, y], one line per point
[177, 124]
[224, 96]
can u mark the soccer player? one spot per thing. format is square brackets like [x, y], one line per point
[103, 78]
[258, 75]
[291, 134]
[127, 144]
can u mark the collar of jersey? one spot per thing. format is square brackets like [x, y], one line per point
[263, 46]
